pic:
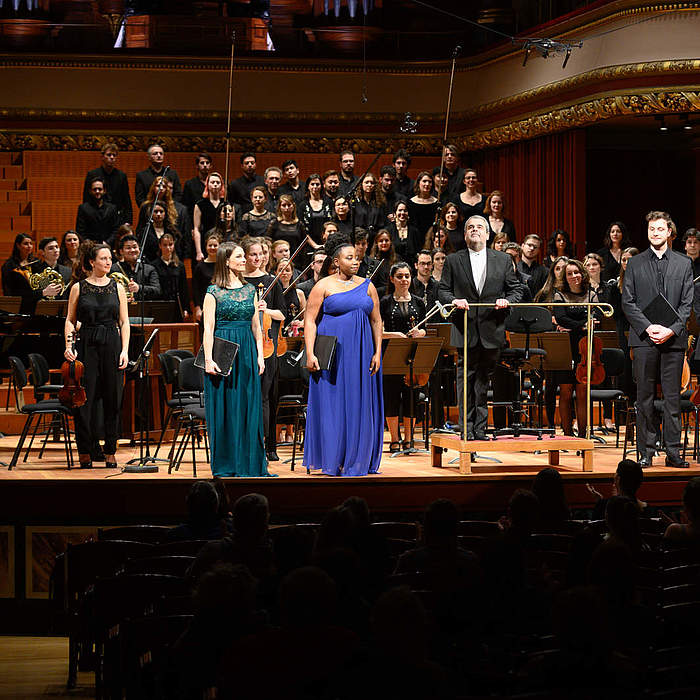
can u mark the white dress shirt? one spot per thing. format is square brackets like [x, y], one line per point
[478, 263]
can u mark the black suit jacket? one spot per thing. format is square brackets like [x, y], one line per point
[486, 325]
[639, 289]
[116, 191]
[145, 178]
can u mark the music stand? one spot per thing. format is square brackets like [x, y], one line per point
[52, 307]
[444, 331]
[143, 464]
[10, 305]
[527, 320]
[418, 356]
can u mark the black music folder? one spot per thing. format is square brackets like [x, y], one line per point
[324, 349]
[660, 311]
[223, 353]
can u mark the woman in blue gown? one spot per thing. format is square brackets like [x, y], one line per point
[345, 415]
[233, 404]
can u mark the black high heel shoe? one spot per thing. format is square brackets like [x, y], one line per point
[111, 465]
[86, 464]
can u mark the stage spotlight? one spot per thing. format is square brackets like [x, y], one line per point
[687, 126]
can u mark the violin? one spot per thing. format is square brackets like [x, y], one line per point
[281, 338]
[597, 368]
[266, 327]
[418, 379]
[72, 393]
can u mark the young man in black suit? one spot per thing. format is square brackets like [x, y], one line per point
[658, 349]
[115, 183]
[478, 274]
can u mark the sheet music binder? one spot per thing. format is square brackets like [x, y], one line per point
[324, 349]
[223, 352]
[660, 311]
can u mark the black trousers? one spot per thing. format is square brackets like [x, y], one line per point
[270, 396]
[651, 365]
[506, 385]
[481, 363]
[102, 380]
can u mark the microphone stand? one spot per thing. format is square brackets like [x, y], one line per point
[145, 463]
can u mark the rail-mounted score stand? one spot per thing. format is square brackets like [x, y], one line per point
[552, 445]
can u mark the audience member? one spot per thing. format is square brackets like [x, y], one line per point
[292, 184]
[348, 179]
[115, 183]
[687, 533]
[194, 188]
[143, 283]
[240, 189]
[548, 486]
[404, 185]
[96, 219]
[203, 519]
[145, 178]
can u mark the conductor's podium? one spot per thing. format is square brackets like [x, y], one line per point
[551, 445]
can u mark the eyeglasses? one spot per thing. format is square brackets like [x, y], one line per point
[426, 263]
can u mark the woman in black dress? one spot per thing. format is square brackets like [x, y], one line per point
[172, 275]
[256, 221]
[400, 311]
[615, 241]
[341, 215]
[369, 206]
[493, 212]
[287, 226]
[423, 206]
[98, 304]
[438, 239]
[206, 210]
[383, 249]
[69, 248]
[201, 277]
[404, 235]
[162, 224]
[227, 223]
[452, 222]
[559, 245]
[471, 201]
[315, 210]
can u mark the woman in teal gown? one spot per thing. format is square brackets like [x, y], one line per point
[233, 404]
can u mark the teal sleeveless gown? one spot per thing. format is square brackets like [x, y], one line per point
[233, 404]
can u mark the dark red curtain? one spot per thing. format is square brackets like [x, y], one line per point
[543, 183]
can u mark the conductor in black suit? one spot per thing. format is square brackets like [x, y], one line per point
[658, 349]
[478, 274]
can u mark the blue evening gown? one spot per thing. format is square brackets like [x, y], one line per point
[345, 415]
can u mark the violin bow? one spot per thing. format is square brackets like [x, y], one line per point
[301, 274]
[228, 116]
[374, 272]
[294, 319]
[279, 274]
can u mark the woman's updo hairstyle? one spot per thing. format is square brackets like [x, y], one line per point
[335, 242]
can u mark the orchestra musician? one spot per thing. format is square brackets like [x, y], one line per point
[478, 274]
[400, 311]
[658, 349]
[99, 305]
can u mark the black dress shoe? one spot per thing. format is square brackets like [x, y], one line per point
[644, 462]
[481, 436]
[677, 462]
[272, 457]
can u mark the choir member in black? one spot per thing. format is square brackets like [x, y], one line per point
[163, 187]
[387, 182]
[240, 189]
[404, 184]
[383, 250]
[293, 185]
[440, 187]
[493, 211]
[404, 235]
[50, 252]
[273, 178]
[439, 257]
[142, 283]
[98, 304]
[287, 226]
[172, 276]
[115, 182]
[161, 224]
[400, 311]
[423, 206]
[341, 215]
[534, 274]
[319, 256]
[96, 219]
[615, 241]
[499, 241]
[227, 224]
[256, 220]
[329, 228]
[455, 174]
[423, 285]
[572, 319]
[69, 248]
[558, 245]
[194, 188]
[452, 221]
[273, 306]
[331, 186]
[145, 178]
[367, 264]
[438, 239]
[203, 272]
[470, 202]
[16, 272]
[691, 243]
[515, 251]
[348, 179]
[314, 209]
[369, 206]
[206, 210]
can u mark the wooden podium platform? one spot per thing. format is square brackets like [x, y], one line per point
[526, 443]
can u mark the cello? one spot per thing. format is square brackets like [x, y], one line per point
[72, 393]
[597, 368]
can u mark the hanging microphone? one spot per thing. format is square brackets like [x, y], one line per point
[457, 50]
[409, 125]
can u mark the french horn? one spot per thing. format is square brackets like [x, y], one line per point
[41, 280]
[123, 280]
